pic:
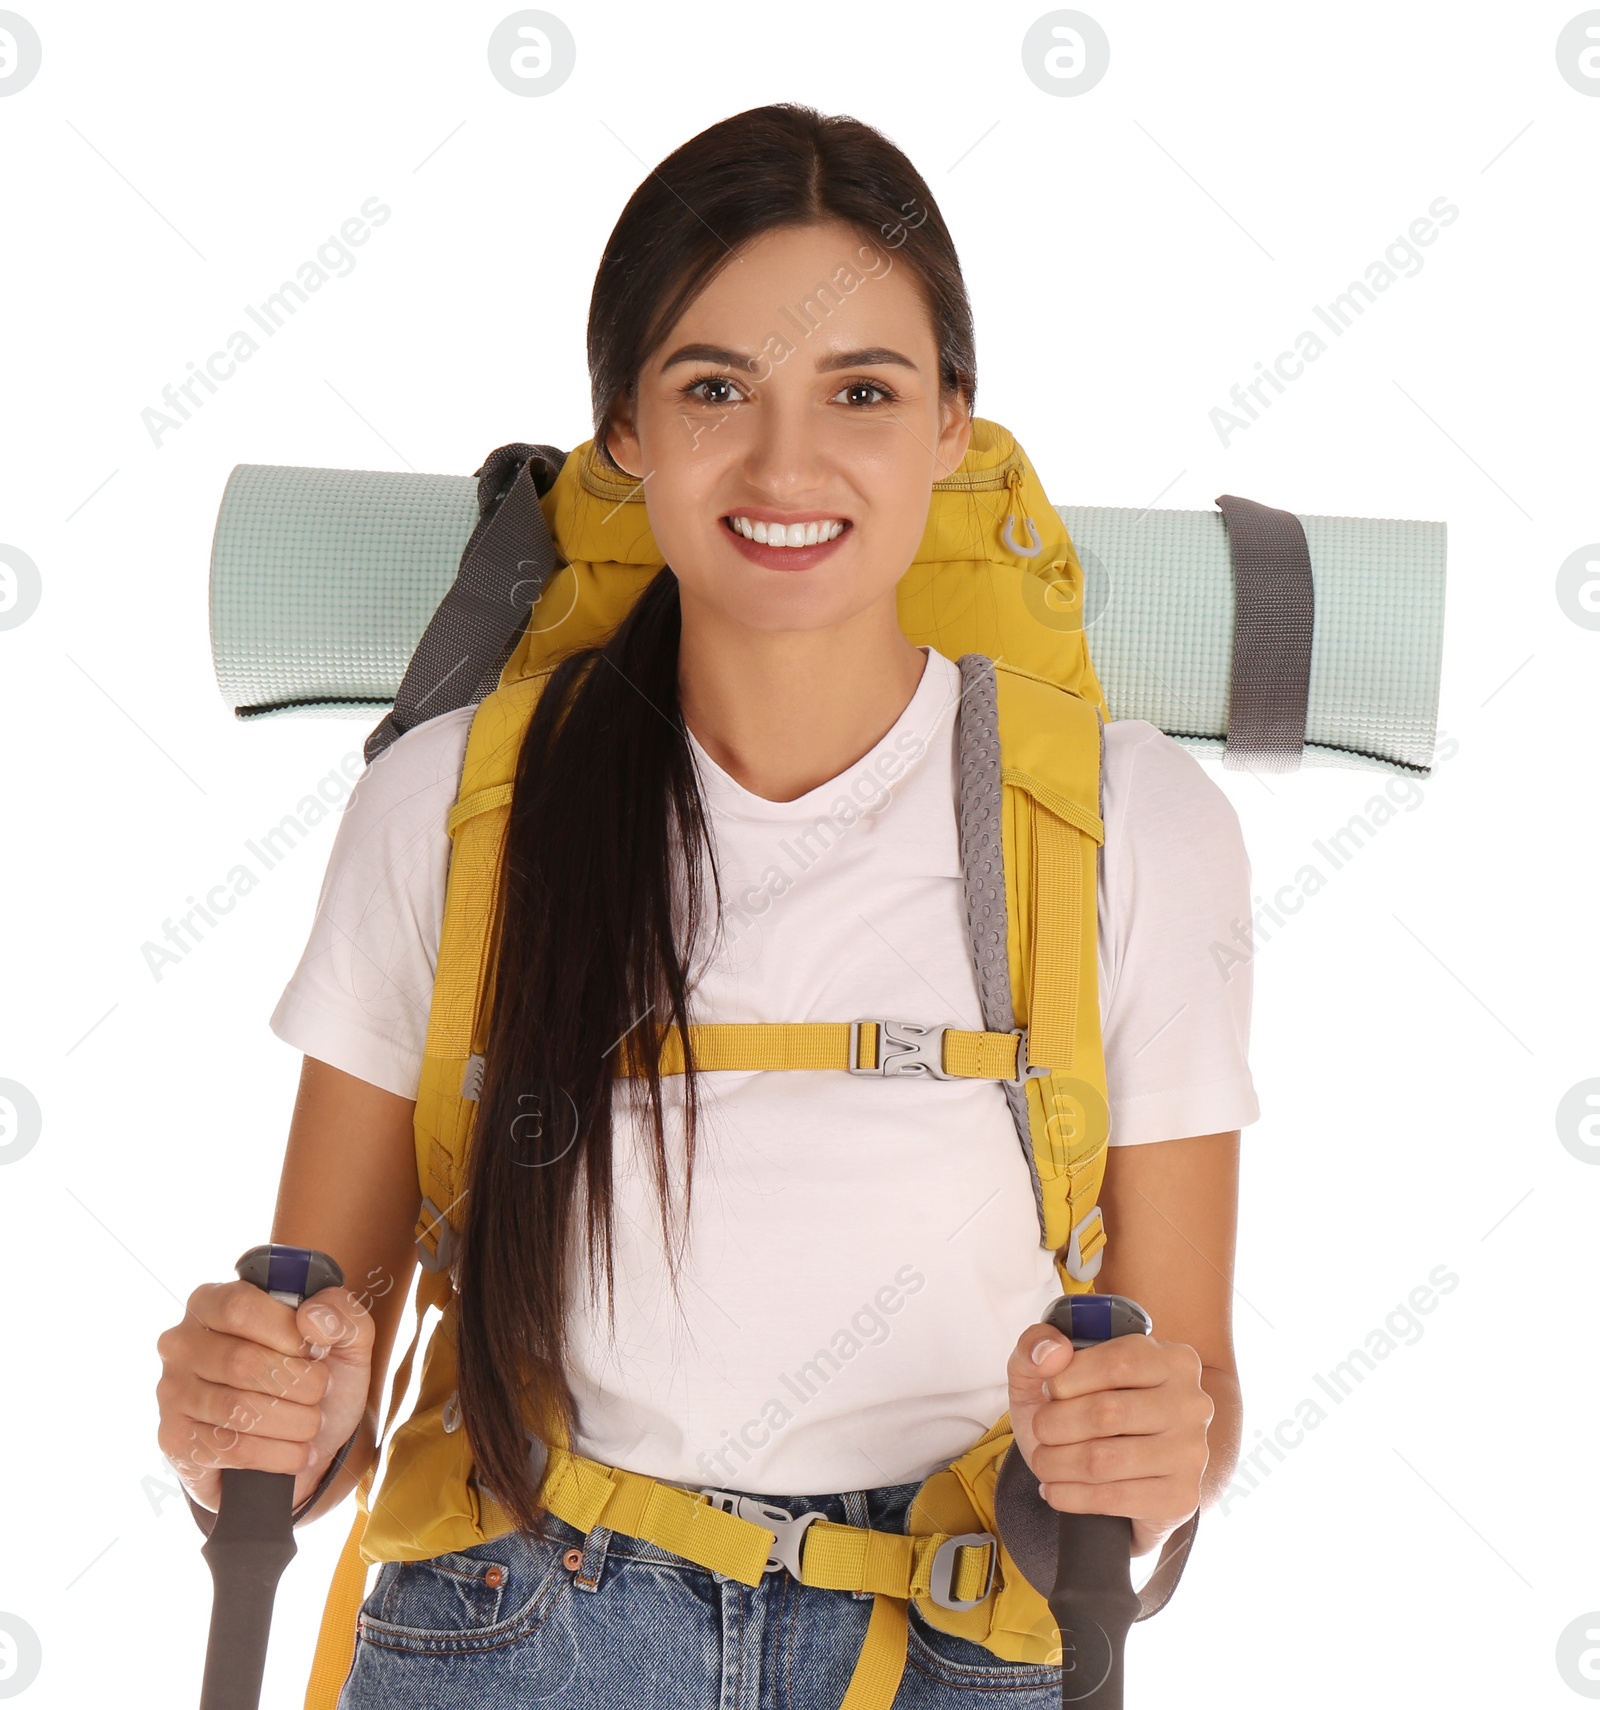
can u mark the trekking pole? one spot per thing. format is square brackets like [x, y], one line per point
[252, 1541]
[1093, 1599]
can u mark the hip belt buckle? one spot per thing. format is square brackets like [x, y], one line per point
[942, 1574]
[789, 1529]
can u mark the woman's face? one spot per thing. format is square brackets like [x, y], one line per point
[801, 386]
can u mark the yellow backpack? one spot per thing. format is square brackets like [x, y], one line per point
[997, 587]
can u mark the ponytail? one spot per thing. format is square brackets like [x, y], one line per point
[601, 884]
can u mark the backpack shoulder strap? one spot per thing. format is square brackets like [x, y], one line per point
[1031, 830]
[452, 1049]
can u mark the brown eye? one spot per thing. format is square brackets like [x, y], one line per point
[692, 390]
[866, 386]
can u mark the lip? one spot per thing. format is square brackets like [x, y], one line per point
[786, 557]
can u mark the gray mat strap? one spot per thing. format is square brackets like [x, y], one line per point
[1273, 614]
[504, 566]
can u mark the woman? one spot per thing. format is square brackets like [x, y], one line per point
[748, 684]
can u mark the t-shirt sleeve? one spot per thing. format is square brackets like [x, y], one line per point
[360, 996]
[1174, 918]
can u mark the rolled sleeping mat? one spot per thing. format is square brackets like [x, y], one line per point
[1322, 636]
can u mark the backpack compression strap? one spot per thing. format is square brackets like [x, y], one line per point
[505, 564]
[1274, 607]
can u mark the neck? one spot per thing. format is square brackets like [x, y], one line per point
[782, 711]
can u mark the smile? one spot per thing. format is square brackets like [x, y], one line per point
[786, 546]
[813, 533]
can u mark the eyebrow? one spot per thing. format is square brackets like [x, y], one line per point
[870, 356]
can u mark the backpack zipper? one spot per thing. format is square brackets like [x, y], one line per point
[988, 480]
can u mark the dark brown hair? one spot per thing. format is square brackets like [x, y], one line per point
[598, 907]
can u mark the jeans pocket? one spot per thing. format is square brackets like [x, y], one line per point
[480, 1598]
[960, 1662]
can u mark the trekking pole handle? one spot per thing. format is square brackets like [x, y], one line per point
[252, 1539]
[1093, 1601]
[292, 1275]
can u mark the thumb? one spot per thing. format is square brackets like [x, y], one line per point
[336, 1326]
[1042, 1352]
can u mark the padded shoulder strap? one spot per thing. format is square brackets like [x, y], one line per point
[1029, 752]
[462, 970]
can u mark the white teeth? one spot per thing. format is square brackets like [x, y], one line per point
[794, 534]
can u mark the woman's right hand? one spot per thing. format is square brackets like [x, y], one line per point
[249, 1381]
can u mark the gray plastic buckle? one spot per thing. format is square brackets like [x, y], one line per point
[790, 1529]
[904, 1048]
[444, 1240]
[1027, 1071]
[1077, 1268]
[942, 1574]
[472, 1077]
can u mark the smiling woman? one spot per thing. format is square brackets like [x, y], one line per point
[759, 729]
[782, 674]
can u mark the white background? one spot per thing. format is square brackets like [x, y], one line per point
[1132, 253]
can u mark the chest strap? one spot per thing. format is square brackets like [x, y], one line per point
[875, 1047]
[869, 1047]
[863, 1047]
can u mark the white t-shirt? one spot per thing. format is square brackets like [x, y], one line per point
[863, 1253]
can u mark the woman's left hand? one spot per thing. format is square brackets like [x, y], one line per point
[1117, 1428]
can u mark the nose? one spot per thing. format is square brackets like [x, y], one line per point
[785, 460]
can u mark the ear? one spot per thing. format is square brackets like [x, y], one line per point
[955, 433]
[622, 437]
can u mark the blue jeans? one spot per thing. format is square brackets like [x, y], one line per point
[609, 1622]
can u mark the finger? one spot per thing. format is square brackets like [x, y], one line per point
[1106, 1460]
[1106, 1413]
[243, 1310]
[1136, 1498]
[1125, 1362]
[334, 1319]
[199, 1447]
[263, 1371]
[1024, 1373]
[250, 1413]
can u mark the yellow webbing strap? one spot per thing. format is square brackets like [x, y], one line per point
[336, 1637]
[1057, 880]
[893, 1566]
[822, 1045]
[1063, 807]
[882, 1664]
[480, 801]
